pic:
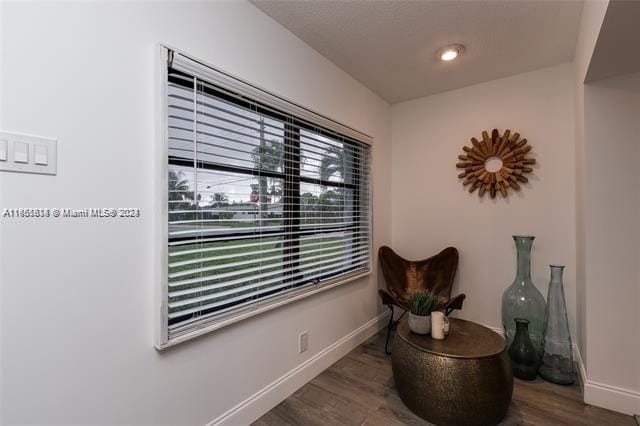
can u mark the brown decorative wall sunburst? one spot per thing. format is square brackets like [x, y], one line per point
[509, 150]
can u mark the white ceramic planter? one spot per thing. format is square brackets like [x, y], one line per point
[419, 324]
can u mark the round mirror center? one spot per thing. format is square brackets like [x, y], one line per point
[493, 164]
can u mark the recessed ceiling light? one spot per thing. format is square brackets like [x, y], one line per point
[449, 53]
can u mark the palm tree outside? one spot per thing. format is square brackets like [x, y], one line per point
[180, 196]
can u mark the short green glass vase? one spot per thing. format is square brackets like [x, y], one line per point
[524, 357]
[522, 299]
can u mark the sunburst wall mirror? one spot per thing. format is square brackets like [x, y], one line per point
[496, 163]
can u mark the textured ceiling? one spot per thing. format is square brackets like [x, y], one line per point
[390, 46]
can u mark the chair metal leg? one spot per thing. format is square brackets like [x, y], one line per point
[389, 327]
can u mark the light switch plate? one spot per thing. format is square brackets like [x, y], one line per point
[4, 146]
[20, 152]
[40, 155]
[29, 154]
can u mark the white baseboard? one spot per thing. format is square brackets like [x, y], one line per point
[271, 395]
[582, 372]
[600, 394]
[614, 398]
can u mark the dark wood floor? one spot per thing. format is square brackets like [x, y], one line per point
[359, 390]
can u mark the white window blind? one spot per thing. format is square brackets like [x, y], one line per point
[266, 200]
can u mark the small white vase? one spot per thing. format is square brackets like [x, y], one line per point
[419, 324]
[437, 325]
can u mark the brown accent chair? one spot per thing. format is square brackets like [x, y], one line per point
[404, 277]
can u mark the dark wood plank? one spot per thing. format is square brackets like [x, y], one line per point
[359, 390]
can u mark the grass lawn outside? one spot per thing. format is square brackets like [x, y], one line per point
[203, 265]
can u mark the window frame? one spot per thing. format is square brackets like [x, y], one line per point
[292, 182]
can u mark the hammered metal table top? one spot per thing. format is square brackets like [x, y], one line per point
[466, 339]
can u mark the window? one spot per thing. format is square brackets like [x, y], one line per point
[266, 201]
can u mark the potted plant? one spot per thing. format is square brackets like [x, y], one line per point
[421, 304]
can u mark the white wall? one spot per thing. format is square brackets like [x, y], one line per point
[607, 213]
[76, 296]
[591, 20]
[612, 254]
[432, 210]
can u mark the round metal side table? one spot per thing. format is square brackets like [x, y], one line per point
[465, 379]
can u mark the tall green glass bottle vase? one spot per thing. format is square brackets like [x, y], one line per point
[557, 360]
[522, 299]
